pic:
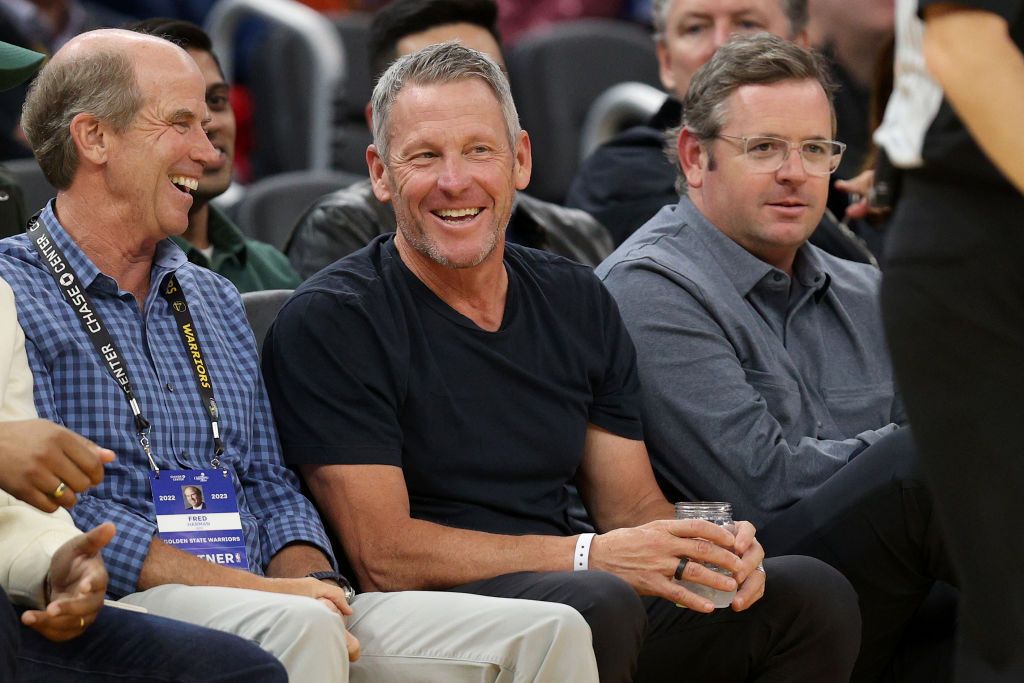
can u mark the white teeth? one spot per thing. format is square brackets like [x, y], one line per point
[185, 181]
[456, 213]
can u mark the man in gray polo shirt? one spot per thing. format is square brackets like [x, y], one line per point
[764, 372]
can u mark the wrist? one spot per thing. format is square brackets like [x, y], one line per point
[337, 579]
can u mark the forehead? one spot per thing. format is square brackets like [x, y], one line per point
[467, 35]
[797, 108]
[446, 105]
[770, 10]
[169, 77]
[207, 66]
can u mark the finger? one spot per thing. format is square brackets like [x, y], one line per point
[330, 605]
[87, 457]
[750, 561]
[686, 598]
[337, 597]
[96, 539]
[63, 496]
[858, 209]
[750, 591]
[697, 573]
[700, 528]
[745, 537]
[352, 643]
[702, 550]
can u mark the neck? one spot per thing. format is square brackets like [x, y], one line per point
[198, 231]
[100, 233]
[478, 293]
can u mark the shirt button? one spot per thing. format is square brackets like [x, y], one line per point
[170, 387]
[777, 277]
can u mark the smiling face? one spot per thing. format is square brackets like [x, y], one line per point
[694, 29]
[193, 496]
[451, 175]
[769, 214]
[221, 129]
[153, 167]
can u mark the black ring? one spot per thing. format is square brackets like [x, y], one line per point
[683, 561]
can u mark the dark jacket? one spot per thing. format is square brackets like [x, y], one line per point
[347, 219]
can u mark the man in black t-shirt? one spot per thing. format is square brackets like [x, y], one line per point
[439, 388]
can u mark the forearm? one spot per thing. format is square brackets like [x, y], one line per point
[164, 565]
[960, 44]
[419, 555]
[297, 560]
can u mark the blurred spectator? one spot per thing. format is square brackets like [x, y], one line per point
[518, 17]
[16, 65]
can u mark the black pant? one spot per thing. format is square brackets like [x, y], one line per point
[805, 628]
[872, 521]
[953, 305]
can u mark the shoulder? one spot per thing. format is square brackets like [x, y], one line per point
[667, 242]
[355, 202]
[851, 277]
[356, 281]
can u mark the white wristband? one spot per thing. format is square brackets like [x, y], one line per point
[581, 559]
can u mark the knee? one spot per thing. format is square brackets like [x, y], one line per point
[613, 610]
[306, 619]
[819, 601]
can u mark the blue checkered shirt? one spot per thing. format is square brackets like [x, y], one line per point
[74, 388]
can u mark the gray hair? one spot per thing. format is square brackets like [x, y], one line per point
[101, 83]
[441, 63]
[795, 11]
[760, 59]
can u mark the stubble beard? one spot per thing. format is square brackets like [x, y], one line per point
[421, 242]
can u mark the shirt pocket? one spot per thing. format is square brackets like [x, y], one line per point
[781, 396]
[858, 408]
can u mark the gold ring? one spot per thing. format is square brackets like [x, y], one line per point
[81, 622]
[59, 491]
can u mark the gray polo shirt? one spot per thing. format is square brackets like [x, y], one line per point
[756, 388]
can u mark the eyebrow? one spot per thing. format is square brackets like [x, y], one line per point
[187, 116]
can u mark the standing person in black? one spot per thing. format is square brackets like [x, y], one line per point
[953, 298]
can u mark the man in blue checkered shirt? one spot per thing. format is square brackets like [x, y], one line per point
[116, 121]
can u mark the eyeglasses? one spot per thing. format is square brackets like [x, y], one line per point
[766, 154]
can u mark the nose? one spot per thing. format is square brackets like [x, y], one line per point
[722, 32]
[792, 169]
[203, 150]
[454, 177]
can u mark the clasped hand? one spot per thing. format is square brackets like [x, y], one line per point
[647, 556]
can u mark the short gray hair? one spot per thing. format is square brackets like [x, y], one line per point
[760, 59]
[435, 64]
[101, 83]
[795, 11]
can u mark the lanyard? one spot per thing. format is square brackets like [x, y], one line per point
[89, 317]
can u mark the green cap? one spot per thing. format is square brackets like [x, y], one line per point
[17, 64]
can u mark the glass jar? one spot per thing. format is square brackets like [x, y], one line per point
[716, 513]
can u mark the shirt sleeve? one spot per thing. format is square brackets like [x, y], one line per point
[707, 425]
[616, 404]
[29, 538]
[332, 383]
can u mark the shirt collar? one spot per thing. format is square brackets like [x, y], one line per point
[167, 258]
[226, 237]
[744, 269]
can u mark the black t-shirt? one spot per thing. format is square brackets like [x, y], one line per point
[365, 365]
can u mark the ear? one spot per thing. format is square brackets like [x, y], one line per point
[693, 158]
[668, 80]
[368, 115]
[378, 170]
[803, 39]
[524, 161]
[91, 138]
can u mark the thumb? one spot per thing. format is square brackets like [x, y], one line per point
[93, 541]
